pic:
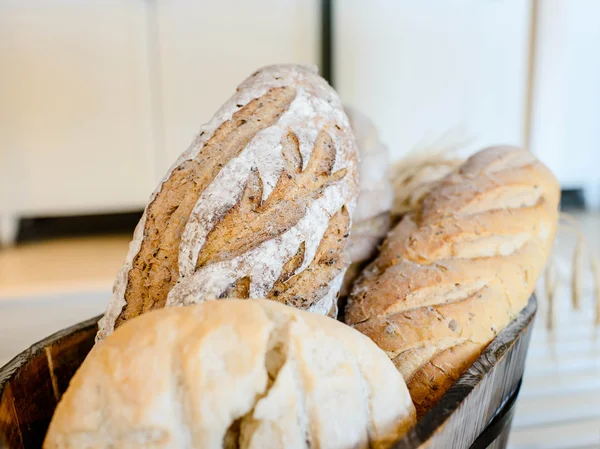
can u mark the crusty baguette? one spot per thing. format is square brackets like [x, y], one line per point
[371, 220]
[455, 271]
[233, 374]
[259, 206]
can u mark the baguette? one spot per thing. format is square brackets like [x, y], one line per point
[458, 269]
[259, 206]
[371, 220]
[233, 374]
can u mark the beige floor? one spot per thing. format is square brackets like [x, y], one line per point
[64, 265]
[48, 286]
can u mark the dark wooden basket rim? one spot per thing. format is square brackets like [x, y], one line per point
[12, 368]
[496, 351]
[425, 428]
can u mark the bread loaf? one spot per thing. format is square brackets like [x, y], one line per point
[413, 176]
[371, 220]
[259, 206]
[233, 374]
[375, 195]
[457, 270]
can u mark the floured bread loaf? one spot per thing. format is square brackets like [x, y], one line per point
[259, 206]
[371, 220]
[457, 270]
[233, 374]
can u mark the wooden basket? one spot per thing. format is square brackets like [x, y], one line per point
[475, 413]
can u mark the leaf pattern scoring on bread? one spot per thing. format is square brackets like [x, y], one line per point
[259, 206]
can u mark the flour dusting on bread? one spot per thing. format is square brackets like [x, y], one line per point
[249, 204]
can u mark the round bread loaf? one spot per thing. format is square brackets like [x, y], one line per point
[459, 268]
[259, 206]
[371, 220]
[233, 374]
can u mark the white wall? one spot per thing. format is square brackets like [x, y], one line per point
[566, 100]
[422, 68]
[74, 105]
[206, 49]
[99, 97]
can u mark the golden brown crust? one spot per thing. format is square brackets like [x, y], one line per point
[457, 269]
[155, 268]
[308, 286]
[433, 379]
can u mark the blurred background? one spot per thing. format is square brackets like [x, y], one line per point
[99, 97]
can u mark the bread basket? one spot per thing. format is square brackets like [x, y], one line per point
[475, 413]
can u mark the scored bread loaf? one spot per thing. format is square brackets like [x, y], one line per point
[233, 374]
[371, 220]
[259, 206]
[457, 270]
